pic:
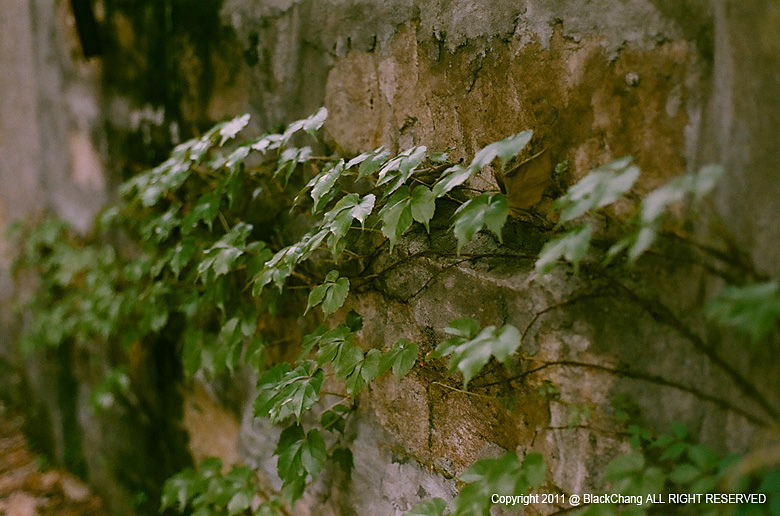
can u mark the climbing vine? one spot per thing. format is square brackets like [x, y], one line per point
[226, 230]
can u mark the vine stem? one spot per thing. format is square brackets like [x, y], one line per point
[433, 252]
[636, 375]
[468, 393]
[663, 314]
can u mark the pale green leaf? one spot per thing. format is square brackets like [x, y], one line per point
[315, 121]
[489, 210]
[463, 327]
[535, 469]
[752, 309]
[323, 183]
[423, 205]
[452, 177]
[469, 351]
[375, 160]
[239, 503]
[601, 187]
[505, 149]
[362, 210]
[230, 129]
[396, 215]
[572, 246]
[432, 507]
[685, 474]
[623, 466]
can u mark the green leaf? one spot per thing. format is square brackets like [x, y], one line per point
[316, 295]
[400, 358]
[335, 296]
[601, 187]
[181, 256]
[396, 215]
[343, 457]
[469, 353]
[299, 455]
[192, 352]
[488, 210]
[703, 457]
[322, 184]
[423, 205]
[314, 453]
[752, 309]
[674, 451]
[502, 475]
[347, 360]
[354, 321]
[230, 129]
[362, 210]
[535, 469]
[572, 246]
[289, 159]
[432, 507]
[624, 465]
[405, 360]
[369, 161]
[465, 327]
[705, 484]
[181, 488]
[267, 143]
[599, 509]
[655, 204]
[205, 210]
[315, 121]
[680, 431]
[240, 502]
[684, 474]
[371, 365]
[706, 180]
[452, 177]
[355, 382]
[283, 392]
[334, 420]
[331, 294]
[399, 169]
[505, 149]
[372, 162]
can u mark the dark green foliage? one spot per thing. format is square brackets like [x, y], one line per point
[217, 223]
[752, 309]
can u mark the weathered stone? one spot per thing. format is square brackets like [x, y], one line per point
[675, 84]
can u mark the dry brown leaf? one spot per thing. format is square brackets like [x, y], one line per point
[525, 183]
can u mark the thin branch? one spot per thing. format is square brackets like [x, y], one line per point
[563, 304]
[436, 275]
[658, 380]
[664, 315]
[468, 393]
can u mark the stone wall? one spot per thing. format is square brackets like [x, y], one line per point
[677, 85]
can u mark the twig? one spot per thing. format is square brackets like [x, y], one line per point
[663, 314]
[659, 380]
[468, 393]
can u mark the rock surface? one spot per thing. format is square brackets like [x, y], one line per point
[30, 488]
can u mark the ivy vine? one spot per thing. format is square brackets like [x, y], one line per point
[227, 229]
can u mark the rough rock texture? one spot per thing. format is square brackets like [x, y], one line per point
[675, 84]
